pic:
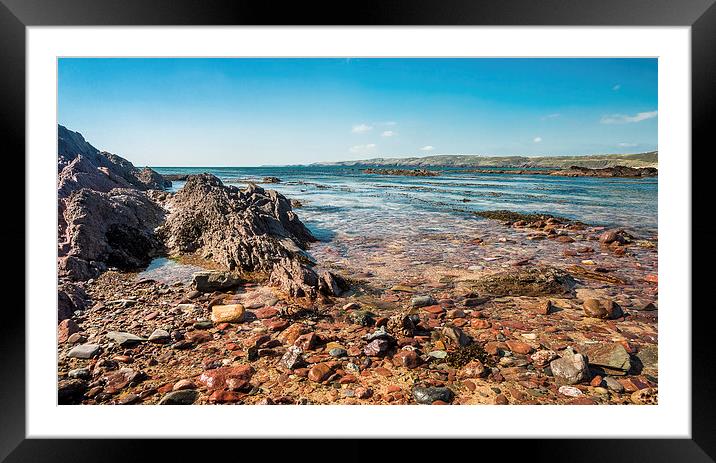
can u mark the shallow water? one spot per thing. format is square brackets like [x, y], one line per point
[387, 229]
[168, 271]
[345, 200]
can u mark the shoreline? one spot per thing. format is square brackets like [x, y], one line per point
[522, 309]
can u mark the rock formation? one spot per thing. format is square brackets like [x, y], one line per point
[81, 165]
[251, 230]
[114, 229]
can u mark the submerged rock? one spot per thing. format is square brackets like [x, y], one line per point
[538, 281]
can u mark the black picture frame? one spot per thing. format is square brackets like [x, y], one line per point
[700, 15]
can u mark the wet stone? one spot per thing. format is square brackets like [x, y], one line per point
[428, 395]
[181, 397]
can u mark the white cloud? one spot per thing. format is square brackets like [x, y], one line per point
[389, 123]
[362, 149]
[537, 139]
[625, 119]
[388, 133]
[551, 116]
[361, 128]
[617, 87]
[427, 148]
[628, 145]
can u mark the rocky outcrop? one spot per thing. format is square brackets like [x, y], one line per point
[81, 165]
[403, 172]
[615, 171]
[250, 230]
[105, 218]
[113, 229]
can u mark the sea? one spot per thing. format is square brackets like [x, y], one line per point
[345, 200]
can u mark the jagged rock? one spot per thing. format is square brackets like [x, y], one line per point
[247, 229]
[108, 229]
[294, 278]
[81, 165]
[251, 229]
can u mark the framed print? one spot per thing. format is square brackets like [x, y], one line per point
[410, 222]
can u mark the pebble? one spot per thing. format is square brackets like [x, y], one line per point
[124, 339]
[338, 352]
[232, 313]
[181, 397]
[84, 351]
[422, 301]
[159, 336]
[79, 373]
[320, 372]
[570, 391]
[613, 384]
[428, 395]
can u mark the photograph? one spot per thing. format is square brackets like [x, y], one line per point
[357, 231]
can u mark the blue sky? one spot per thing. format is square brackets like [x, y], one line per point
[246, 112]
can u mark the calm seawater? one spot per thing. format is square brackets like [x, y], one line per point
[343, 200]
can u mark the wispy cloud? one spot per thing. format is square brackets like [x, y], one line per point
[537, 139]
[389, 123]
[550, 116]
[388, 133]
[625, 119]
[361, 128]
[617, 87]
[363, 149]
[427, 148]
[628, 145]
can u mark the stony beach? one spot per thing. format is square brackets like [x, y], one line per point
[242, 303]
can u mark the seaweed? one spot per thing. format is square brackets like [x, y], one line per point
[464, 355]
